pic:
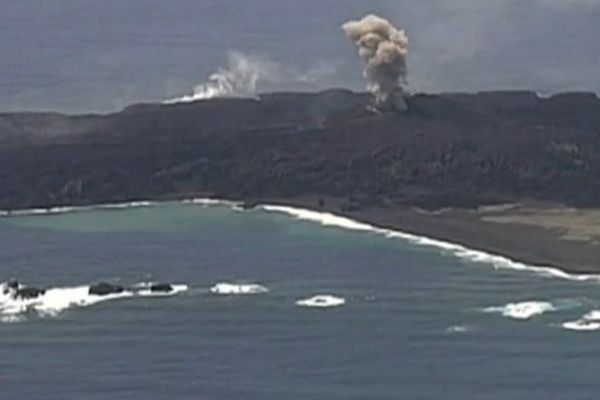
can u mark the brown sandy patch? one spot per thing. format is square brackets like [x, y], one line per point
[568, 223]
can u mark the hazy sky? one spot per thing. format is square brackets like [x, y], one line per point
[98, 55]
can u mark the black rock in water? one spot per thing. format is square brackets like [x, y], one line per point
[103, 289]
[249, 205]
[12, 284]
[29, 293]
[161, 287]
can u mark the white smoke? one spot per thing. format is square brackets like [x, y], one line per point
[384, 49]
[245, 73]
[239, 79]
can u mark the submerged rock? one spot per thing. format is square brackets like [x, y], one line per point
[161, 287]
[103, 289]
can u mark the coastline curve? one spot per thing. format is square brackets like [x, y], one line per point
[328, 219]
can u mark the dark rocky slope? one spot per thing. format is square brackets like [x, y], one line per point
[446, 150]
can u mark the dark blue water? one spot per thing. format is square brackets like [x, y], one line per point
[413, 325]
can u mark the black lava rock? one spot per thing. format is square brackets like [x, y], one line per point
[103, 289]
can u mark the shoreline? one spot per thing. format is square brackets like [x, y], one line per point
[323, 151]
[419, 229]
[538, 245]
[435, 235]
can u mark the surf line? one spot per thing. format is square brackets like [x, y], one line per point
[205, 202]
[498, 262]
[329, 220]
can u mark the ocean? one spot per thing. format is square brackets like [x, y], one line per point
[399, 317]
[278, 303]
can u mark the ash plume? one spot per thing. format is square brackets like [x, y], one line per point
[384, 49]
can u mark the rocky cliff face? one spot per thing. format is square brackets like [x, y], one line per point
[446, 150]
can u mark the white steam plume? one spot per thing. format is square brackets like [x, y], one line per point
[245, 73]
[239, 79]
[384, 49]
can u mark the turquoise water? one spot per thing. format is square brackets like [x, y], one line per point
[417, 322]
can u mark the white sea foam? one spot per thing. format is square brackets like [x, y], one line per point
[224, 288]
[73, 209]
[498, 262]
[11, 318]
[56, 300]
[207, 202]
[130, 204]
[322, 301]
[53, 301]
[323, 218]
[588, 322]
[581, 325]
[522, 310]
[457, 329]
[33, 211]
[593, 315]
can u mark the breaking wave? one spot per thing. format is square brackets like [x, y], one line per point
[457, 329]
[322, 301]
[588, 322]
[53, 301]
[224, 288]
[523, 310]
[581, 325]
[74, 209]
[205, 202]
[478, 256]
